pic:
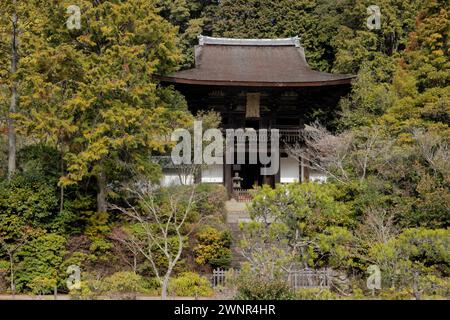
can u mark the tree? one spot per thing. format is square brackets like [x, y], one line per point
[421, 82]
[345, 156]
[11, 8]
[20, 24]
[417, 259]
[163, 218]
[193, 17]
[13, 106]
[313, 21]
[357, 46]
[94, 93]
[427, 52]
[287, 221]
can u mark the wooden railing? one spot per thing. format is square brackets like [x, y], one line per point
[290, 135]
[285, 135]
[242, 195]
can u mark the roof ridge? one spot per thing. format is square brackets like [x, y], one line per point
[292, 41]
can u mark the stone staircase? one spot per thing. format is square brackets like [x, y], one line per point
[236, 213]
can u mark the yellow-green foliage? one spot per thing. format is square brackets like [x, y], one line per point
[90, 288]
[190, 284]
[42, 285]
[120, 285]
[213, 247]
[336, 244]
[310, 207]
[315, 294]
[123, 284]
[40, 259]
[417, 256]
[308, 210]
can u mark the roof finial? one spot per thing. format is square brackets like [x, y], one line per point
[201, 40]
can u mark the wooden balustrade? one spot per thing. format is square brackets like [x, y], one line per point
[285, 135]
[242, 195]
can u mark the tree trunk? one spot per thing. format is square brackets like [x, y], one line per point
[13, 105]
[13, 286]
[61, 199]
[101, 192]
[61, 193]
[165, 284]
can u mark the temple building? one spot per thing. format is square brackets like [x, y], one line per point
[258, 84]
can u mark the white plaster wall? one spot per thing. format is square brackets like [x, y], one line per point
[289, 170]
[212, 174]
[170, 179]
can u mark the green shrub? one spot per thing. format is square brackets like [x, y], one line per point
[151, 286]
[100, 246]
[120, 285]
[4, 265]
[215, 197]
[41, 257]
[42, 285]
[222, 259]
[80, 259]
[190, 284]
[420, 250]
[90, 288]
[258, 288]
[123, 285]
[253, 286]
[213, 248]
[315, 294]
[32, 197]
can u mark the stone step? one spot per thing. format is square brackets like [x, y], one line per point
[237, 257]
[233, 205]
[237, 212]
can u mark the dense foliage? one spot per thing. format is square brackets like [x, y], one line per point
[89, 117]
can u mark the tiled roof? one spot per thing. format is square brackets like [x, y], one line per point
[253, 62]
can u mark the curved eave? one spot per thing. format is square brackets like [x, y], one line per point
[255, 83]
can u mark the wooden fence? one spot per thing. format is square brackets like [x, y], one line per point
[309, 278]
[298, 279]
[218, 278]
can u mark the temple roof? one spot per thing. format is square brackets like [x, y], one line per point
[253, 62]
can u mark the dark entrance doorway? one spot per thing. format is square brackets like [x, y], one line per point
[250, 173]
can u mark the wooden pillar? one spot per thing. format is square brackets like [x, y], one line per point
[278, 174]
[227, 178]
[198, 175]
[304, 171]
